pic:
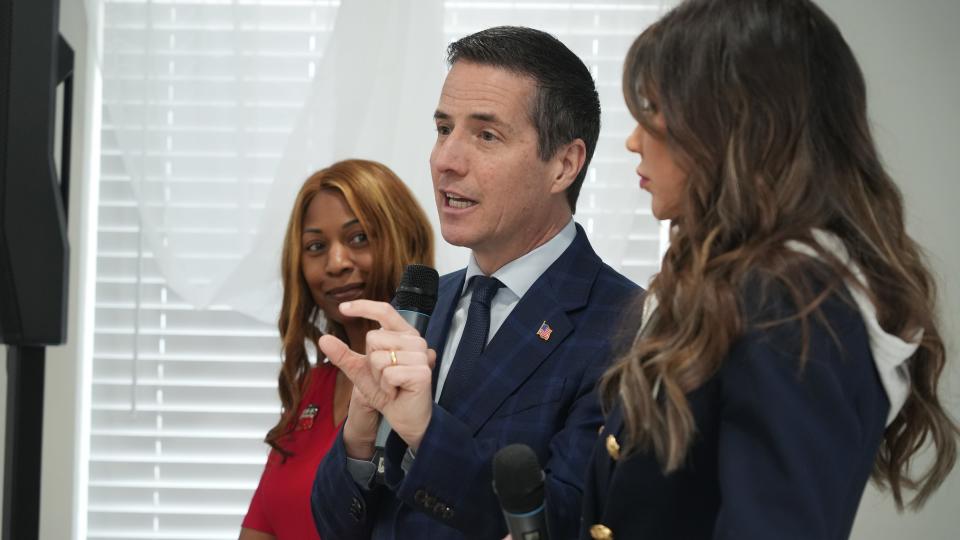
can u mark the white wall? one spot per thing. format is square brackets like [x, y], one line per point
[58, 505]
[907, 51]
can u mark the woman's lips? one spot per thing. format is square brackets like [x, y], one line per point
[347, 292]
[644, 182]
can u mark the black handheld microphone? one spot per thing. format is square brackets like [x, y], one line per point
[518, 483]
[417, 295]
[414, 301]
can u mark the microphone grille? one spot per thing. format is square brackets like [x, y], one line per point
[418, 289]
[518, 479]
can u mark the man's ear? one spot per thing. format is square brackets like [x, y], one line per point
[569, 160]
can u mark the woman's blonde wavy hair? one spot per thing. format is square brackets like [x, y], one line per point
[765, 108]
[399, 234]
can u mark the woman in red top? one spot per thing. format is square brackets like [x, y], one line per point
[353, 229]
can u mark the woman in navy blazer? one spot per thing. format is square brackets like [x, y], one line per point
[788, 348]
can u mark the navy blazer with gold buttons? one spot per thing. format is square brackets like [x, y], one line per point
[781, 450]
[540, 392]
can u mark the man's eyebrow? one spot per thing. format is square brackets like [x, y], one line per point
[486, 117]
[483, 117]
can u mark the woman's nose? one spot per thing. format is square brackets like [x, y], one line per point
[635, 140]
[338, 259]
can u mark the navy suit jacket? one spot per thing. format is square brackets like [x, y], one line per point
[540, 392]
[782, 450]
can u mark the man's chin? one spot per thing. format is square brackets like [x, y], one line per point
[458, 236]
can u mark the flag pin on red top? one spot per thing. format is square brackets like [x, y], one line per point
[544, 331]
[306, 417]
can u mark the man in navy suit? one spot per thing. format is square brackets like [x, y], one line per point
[521, 335]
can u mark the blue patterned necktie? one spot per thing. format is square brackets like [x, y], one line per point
[472, 342]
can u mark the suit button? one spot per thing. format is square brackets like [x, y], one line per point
[601, 532]
[613, 447]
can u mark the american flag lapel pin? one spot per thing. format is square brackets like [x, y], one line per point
[305, 421]
[544, 331]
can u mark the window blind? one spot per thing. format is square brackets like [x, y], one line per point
[181, 397]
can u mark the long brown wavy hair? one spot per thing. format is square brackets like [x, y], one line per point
[765, 110]
[399, 234]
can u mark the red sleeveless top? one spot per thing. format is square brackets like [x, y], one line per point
[281, 504]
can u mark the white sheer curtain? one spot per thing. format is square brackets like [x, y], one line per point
[235, 107]
[369, 99]
[214, 112]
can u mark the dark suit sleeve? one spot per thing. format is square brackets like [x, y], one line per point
[792, 439]
[340, 508]
[451, 477]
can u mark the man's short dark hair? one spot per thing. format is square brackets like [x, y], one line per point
[566, 106]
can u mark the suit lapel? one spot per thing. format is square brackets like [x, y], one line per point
[447, 297]
[516, 351]
[513, 355]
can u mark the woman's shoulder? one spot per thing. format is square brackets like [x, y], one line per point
[321, 378]
[809, 334]
[779, 292]
[794, 311]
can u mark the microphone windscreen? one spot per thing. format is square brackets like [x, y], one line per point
[418, 289]
[518, 479]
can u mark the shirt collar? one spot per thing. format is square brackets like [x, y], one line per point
[519, 274]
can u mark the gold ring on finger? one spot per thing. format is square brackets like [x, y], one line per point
[393, 358]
